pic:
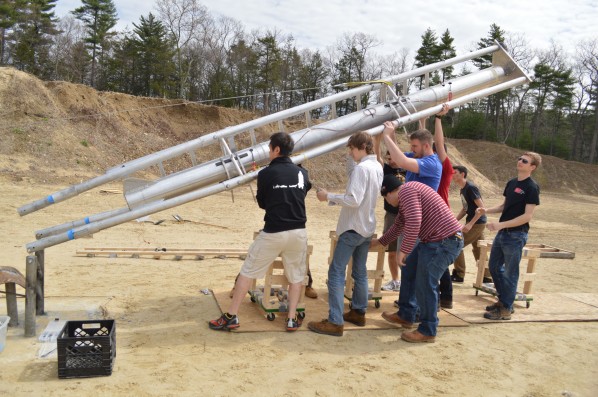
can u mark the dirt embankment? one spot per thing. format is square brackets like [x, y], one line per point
[58, 132]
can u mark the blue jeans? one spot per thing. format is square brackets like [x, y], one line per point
[504, 264]
[349, 245]
[419, 281]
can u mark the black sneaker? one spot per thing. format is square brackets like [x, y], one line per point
[456, 278]
[226, 322]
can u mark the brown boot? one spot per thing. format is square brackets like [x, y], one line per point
[499, 313]
[311, 293]
[354, 317]
[325, 327]
[394, 318]
[417, 337]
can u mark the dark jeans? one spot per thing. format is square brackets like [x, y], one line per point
[504, 264]
[419, 281]
[445, 288]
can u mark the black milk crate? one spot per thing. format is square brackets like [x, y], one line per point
[86, 348]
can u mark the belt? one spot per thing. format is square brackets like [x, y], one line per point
[457, 236]
[514, 229]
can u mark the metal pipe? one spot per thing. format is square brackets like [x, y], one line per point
[309, 138]
[71, 225]
[156, 206]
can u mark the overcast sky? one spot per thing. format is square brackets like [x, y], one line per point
[398, 24]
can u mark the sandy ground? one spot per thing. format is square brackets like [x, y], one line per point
[165, 348]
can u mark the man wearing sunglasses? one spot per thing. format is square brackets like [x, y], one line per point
[522, 195]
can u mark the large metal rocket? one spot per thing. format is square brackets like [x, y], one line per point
[235, 167]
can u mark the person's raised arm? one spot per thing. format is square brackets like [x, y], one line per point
[377, 139]
[439, 133]
[395, 152]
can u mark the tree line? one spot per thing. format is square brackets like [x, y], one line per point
[183, 51]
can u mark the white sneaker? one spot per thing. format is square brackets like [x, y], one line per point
[392, 285]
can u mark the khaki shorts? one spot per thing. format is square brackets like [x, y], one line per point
[389, 220]
[290, 245]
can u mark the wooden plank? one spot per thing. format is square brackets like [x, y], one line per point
[546, 251]
[158, 254]
[240, 250]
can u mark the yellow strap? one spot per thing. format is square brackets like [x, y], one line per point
[355, 83]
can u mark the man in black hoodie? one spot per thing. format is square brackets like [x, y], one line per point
[281, 191]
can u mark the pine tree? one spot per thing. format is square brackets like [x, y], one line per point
[268, 61]
[33, 37]
[495, 34]
[154, 55]
[494, 102]
[98, 16]
[447, 51]
[428, 53]
[10, 11]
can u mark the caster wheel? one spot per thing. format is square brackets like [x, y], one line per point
[377, 304]
[253, 299]
[301, 315]
[527, 305]
[271, 316]
[476, 292]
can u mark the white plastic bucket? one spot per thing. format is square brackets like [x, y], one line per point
[3, 325]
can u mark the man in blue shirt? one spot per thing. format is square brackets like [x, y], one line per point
[422, 164]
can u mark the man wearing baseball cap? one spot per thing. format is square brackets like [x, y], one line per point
[432, 239]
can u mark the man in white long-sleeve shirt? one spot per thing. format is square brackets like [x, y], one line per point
[356, 225]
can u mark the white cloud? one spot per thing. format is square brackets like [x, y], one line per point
[316, 24]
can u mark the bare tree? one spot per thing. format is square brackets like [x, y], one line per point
[521, 52]
[67, 53]
[221, 35]
[587, 59]
[186, 21]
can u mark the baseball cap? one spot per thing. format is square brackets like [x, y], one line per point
[389, 183]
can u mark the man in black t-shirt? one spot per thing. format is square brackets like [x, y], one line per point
[522, 195]
[389, 167]
[475, 223]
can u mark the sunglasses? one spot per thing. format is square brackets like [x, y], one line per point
[524, 161]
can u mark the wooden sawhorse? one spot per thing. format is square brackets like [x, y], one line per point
[377, 274]
[273, 296]
[529, 254]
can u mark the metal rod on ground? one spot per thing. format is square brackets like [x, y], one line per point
[31, 278]
[39, 285]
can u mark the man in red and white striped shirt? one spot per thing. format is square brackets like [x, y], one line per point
[432, 240]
